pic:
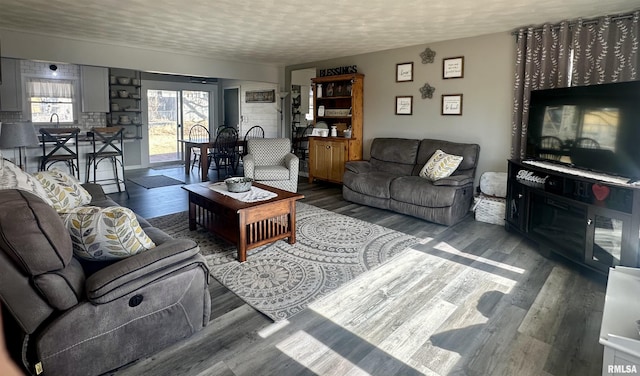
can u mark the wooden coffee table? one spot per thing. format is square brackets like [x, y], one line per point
[246, 224]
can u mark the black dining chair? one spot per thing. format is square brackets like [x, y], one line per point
[254, 132]
[60, 145]
[198, 132]
[225, 151]
[301, 141]
[586, 143]
[550, 147]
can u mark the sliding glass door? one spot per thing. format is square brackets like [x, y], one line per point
[195, 109]
[164, 120]
[172, 109]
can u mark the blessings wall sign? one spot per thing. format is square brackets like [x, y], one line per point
[348, 69]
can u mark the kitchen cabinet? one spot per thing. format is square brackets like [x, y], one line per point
[125, 101]
[327, 156]
[94, 87]
[337, 102]
[11, 88]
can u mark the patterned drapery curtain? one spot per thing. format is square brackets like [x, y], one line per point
[605, 51]
[586, 52]
[542, 57]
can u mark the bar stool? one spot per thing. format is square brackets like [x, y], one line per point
[108, 144]
[63, 147]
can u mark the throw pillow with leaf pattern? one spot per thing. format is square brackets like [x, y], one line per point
[109, 233]
[64, 190]
[12, 177]
[440, 165]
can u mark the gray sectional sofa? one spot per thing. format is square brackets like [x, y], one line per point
[71, 318]
[390, 179]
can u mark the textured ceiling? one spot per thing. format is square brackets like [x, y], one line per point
[287, 31]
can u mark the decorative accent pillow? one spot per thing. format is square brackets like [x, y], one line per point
[109, 233]
[440, 165]
[63, 189]
[12, 177]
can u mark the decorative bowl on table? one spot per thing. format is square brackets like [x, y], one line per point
[238, 184]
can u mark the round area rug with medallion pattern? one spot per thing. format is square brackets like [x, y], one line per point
[281, 279]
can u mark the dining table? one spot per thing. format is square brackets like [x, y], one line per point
[204, 145]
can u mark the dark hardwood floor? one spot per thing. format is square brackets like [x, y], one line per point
[471, 299]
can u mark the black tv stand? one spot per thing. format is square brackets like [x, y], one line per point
[590, 219]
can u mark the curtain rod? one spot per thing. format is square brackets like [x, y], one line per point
[584, 22]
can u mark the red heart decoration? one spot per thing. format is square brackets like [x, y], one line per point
[600, 191]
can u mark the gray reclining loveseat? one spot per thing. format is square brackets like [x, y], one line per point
[390, 179]
[66, 321]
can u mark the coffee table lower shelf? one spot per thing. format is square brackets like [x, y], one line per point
[246, 225]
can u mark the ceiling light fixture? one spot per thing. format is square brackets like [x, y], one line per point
[54, 69]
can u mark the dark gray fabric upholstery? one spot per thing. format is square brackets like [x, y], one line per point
[395, 150]
[389, 180]
[469, 153]
[158, 236]
[27, 306]
[62, 288]
[394, 155]
[117, 333]
[377, 202]
[130, 273]
[125, 310]
[374, 183]
[454, 181]
[448, 216]
[96, 192]
[359, 167]
[420, 191]
[30, 233]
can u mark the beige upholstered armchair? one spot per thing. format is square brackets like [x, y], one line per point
[270, 161]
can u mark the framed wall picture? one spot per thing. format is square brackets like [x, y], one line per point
[452, 104]
[453, 67]
[404, 105]
[404, 72]
[260, 96]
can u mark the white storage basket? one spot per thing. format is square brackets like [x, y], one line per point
[489, 209]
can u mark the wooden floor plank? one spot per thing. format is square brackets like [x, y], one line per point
[472, 299]
[543, 320]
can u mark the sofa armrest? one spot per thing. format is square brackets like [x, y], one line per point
[289, 159]
[127, 275]
[454, 181]
[293, 165]
[96, 191]
[249, 163]
[358, 167]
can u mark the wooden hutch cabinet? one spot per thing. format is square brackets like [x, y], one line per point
[337, 101]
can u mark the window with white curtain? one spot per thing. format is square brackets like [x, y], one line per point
[48, 97]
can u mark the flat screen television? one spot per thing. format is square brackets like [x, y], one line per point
[595, 127]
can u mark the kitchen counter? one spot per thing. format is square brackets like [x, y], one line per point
[105, 170]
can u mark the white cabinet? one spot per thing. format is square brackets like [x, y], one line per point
[618, 332]
[94, 86]
[11, 88]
